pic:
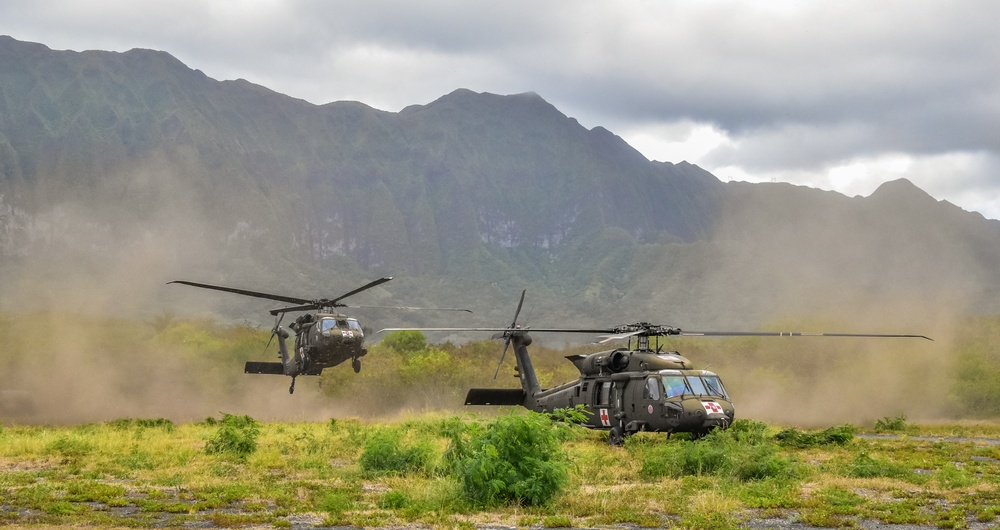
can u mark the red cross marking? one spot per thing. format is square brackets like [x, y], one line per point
[712, 407]
[605, 419]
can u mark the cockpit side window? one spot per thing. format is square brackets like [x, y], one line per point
[652, 390]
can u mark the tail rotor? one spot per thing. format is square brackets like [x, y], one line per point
[508, 334]
[274, 330]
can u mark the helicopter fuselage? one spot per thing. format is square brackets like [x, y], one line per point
[642, 391]
[325, 339]
[641, 401]
[625, 391]
[628, 390]
[322, 339]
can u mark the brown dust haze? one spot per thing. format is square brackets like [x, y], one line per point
[82, 266]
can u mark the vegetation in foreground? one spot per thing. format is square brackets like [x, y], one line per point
[519, 468]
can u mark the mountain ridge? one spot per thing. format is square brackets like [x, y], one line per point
[109, 157]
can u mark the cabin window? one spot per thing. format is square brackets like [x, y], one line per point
[652, 389]
[674, 385]
[602, 394]
[714, 386]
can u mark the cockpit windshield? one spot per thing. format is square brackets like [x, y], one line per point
[353, 324]
[328, 324]
[714, 386]
[674, 385]
[678, 385]
[697, 387]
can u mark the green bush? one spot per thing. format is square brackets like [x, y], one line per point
[745, 454]
[405, 342]
[385, 454]
[708, 456]
[888, 424]
[839, 435]
[394, 500]
[236, 436]
[516, 459]
[750, 432]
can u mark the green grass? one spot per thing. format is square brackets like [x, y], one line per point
[144, 473]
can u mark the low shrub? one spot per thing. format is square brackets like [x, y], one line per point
[236, 436]
[385, 454]
[745, 454]
[516, 459]
[888, 424]
[839, 435]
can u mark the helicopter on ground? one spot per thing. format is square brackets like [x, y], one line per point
[322, 339]
[626, 390]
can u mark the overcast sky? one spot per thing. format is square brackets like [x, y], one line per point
[840, 95]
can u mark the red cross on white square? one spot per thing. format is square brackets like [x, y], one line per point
[712, 407]
[605, 419]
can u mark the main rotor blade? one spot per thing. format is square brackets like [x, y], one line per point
[527, 330]
[623, 336]
[794, 334]
[244, 292]
[407, 308]
[607, 338]
[364, 287]
[305, 307]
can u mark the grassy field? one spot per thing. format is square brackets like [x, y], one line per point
[235, 472]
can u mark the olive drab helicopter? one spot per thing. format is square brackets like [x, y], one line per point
[626, 390]
[322, 339]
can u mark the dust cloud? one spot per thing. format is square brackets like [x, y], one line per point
[83, 268]
[826, 263]
[85, 286]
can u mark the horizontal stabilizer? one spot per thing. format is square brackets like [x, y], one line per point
[260, 367]
[494, 396]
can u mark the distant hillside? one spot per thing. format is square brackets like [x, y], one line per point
[119, 171]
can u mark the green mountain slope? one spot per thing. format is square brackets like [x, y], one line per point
[119, 171]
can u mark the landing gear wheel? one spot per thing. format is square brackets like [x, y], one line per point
[356, 364]
[615, 437]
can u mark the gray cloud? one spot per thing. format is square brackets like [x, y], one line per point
[797, 88]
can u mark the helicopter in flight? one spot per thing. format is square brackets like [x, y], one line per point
[626, 390]
[322, 339]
